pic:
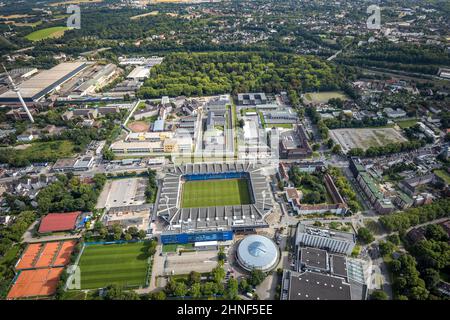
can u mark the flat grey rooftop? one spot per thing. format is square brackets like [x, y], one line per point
[314, 258]
[317, 286]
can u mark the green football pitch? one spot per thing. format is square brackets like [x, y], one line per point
[210, 193]
[122, 264]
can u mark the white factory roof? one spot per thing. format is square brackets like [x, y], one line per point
[139, 73]
[46, 80]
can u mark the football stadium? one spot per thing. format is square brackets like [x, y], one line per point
[210, 201]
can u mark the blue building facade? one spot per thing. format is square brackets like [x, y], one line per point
[183, 238]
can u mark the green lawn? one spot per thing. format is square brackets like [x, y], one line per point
[45, 151]
[173, 247]
[53, 32]
[122, 264]
[406, 123]
[209, 193]
[281, 125]
[443, 175]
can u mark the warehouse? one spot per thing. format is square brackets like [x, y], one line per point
[43, 83]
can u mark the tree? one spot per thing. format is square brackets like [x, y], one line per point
[160, 295]
[244, 286]
[435, 232]
[194, 277]
[431, 278]
[394, 238]
[152, 247]
[141, 235]
[196, 290]
[232, 289]
[378, 295]
[128, 236]
[218, 273]
[209, 289]
[386, 248]
[337, 149]
[419, 293]
[256, 277]
[221, 255]
[180, 289]
[241, 123]
[365, 235]
[116, 292]
[133, 231]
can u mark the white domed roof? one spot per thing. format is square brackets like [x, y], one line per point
[257, 252]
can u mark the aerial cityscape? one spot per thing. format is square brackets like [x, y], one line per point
[235, 150]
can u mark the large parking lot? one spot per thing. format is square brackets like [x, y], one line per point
[123, 192]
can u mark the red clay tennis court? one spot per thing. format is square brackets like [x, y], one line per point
[64, 253]
[28, 257]
[46, 254]
[33, 283]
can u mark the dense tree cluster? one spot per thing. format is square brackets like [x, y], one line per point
[400, 56]
[401, 221]
[345, 122]
[407, 281]
[194, 287]
[69, 193]
[197, 74]
[390, 148]
[311, 185]
[312, 113]
[365, 235]
[152, 187]
[9, 237]
[345, 189]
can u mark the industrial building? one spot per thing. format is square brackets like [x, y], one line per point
[43, 83]
[139, 73]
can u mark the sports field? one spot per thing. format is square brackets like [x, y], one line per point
[210, 193]
[323, 97]
[122, 264]
[53, 32]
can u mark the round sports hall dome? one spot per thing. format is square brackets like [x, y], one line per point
[257, 252]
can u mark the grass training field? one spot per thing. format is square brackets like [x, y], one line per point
[323, 97]
[53, 32]
[39, 151]
[443, 175]
[210, 193]
[407, 123]
[122, 264]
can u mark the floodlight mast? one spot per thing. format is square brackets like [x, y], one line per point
[16, 90]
